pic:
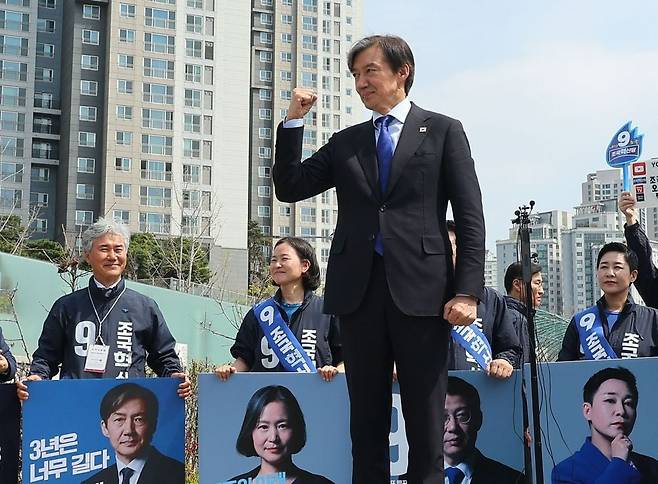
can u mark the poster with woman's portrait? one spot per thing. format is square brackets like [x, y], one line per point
[269, 428]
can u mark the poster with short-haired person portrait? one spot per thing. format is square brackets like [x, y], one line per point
[104, 431]
[270, 428]
[599, 422]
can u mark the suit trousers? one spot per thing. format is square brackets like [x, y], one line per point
[374, 336]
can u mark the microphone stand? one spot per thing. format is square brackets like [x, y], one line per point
[523, 220]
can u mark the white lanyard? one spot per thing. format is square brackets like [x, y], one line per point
[100, 321]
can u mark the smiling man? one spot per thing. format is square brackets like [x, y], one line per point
[129, 417]
[105, 330]
[610, 400]
[615, 327]
[390, 277]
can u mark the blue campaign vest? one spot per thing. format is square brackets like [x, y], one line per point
[473, 340]
[282, 341]
[592, 338]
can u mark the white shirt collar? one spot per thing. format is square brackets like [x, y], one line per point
[399, 111]
[101, 286]
[466, 467]
[136, 465]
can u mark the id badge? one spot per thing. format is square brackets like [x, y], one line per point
[96, 361]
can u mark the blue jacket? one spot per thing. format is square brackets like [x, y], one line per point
[590, 466]
[6, 352]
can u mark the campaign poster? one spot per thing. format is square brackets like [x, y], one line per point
[644, 180]
[484, 426]
[87, 431]
[274, 421]
[10, 425]
[565, 420]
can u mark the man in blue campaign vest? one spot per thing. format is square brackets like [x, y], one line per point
[615, 327]
[105, 330]
[610, 400]
[495, 323]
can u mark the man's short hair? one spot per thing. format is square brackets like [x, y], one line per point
[396, 51]
[602, 376]
[117, 396]
[629, 256]
[515, 271]
[101, 227]
[459, 387]
[273, 393]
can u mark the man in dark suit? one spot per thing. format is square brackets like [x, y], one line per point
[129, 417]
[390, 275]
[463, 461]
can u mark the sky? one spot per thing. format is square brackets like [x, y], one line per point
[541, 87]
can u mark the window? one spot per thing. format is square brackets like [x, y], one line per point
[156, 144]
[86, 165]
[47, 3]
[11, 172]
[126, 61]
[286, 19]
[264, 211]
[308, 214]
[88, 88]
[191, 198]
[158, 68]
[308, 232]
[87, 113]
[17, 71]
[265, 56]
[39, 174]
[264, 172]
[14, 45]
[191, 173]
[192, 98]
[158, 223]
[87, 139]
[45, 50]
[286, 94]
[266, 18]
[127, 10]
[122, 190]
[92, 12]
[84, 217]
[12, 121]
[89, 62]
[286, 38]
[264, 152]
[45, 25]
[193, 48]
[158, 93]
[265, 114]
[90, 37]
[265, 133]
[157, 119]
[310, 61]
[155, 196]
[310, 42]
[192, 123]
[163, 44]
[19, 22]
[124, 138]
[194, 24]
[192, 148]
[310, 23]
[264, 191]
[12, 96]
[265, 76]
[193, 72]
[122, 164]
[124, 112]
[266, 38]
[43, 74]
[162, 19]
[124, 86]
[265, 94]
[121, 216]
[126, 35]
[155, 170]
[285, 211]
[286, 76]
[309, 79]
[84, 191]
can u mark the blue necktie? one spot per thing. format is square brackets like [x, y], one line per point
[126, 474]
[384, 157]
[454, 475]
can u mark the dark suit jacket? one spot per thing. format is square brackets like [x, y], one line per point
[159, 469]
[432, 165]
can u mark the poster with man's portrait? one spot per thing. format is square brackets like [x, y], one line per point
[105, 430]
[598, 420]
[482, 437]
[10, 425]
[269, 427]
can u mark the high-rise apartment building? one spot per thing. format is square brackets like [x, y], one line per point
[300, 43]
[136, 110]
[490, 270]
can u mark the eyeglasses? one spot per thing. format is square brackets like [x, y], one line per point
[462, 417]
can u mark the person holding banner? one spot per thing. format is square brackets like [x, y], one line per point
[610, 399]
[274, 430]
[105, 330]
[289, 331]
[615, 327]
[390, 277]
[494, 328]
[647, 273]
[7, 361]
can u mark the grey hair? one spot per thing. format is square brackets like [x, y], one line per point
[101, 227]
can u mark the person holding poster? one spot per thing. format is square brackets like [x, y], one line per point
[390, 277]
[647, 273]
[295, 308]
[129, 418]
[274, 430]
[105, 330]
[615, 327]
[7, 361]
[610, 399]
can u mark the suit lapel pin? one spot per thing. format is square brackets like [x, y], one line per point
[422, 129]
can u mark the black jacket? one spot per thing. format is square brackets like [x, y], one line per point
[647, 275]
[635, 334]
[158, 469]
[317, 332]
[6, 352]
[518, 311]
[497, 324]
[135, 330]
